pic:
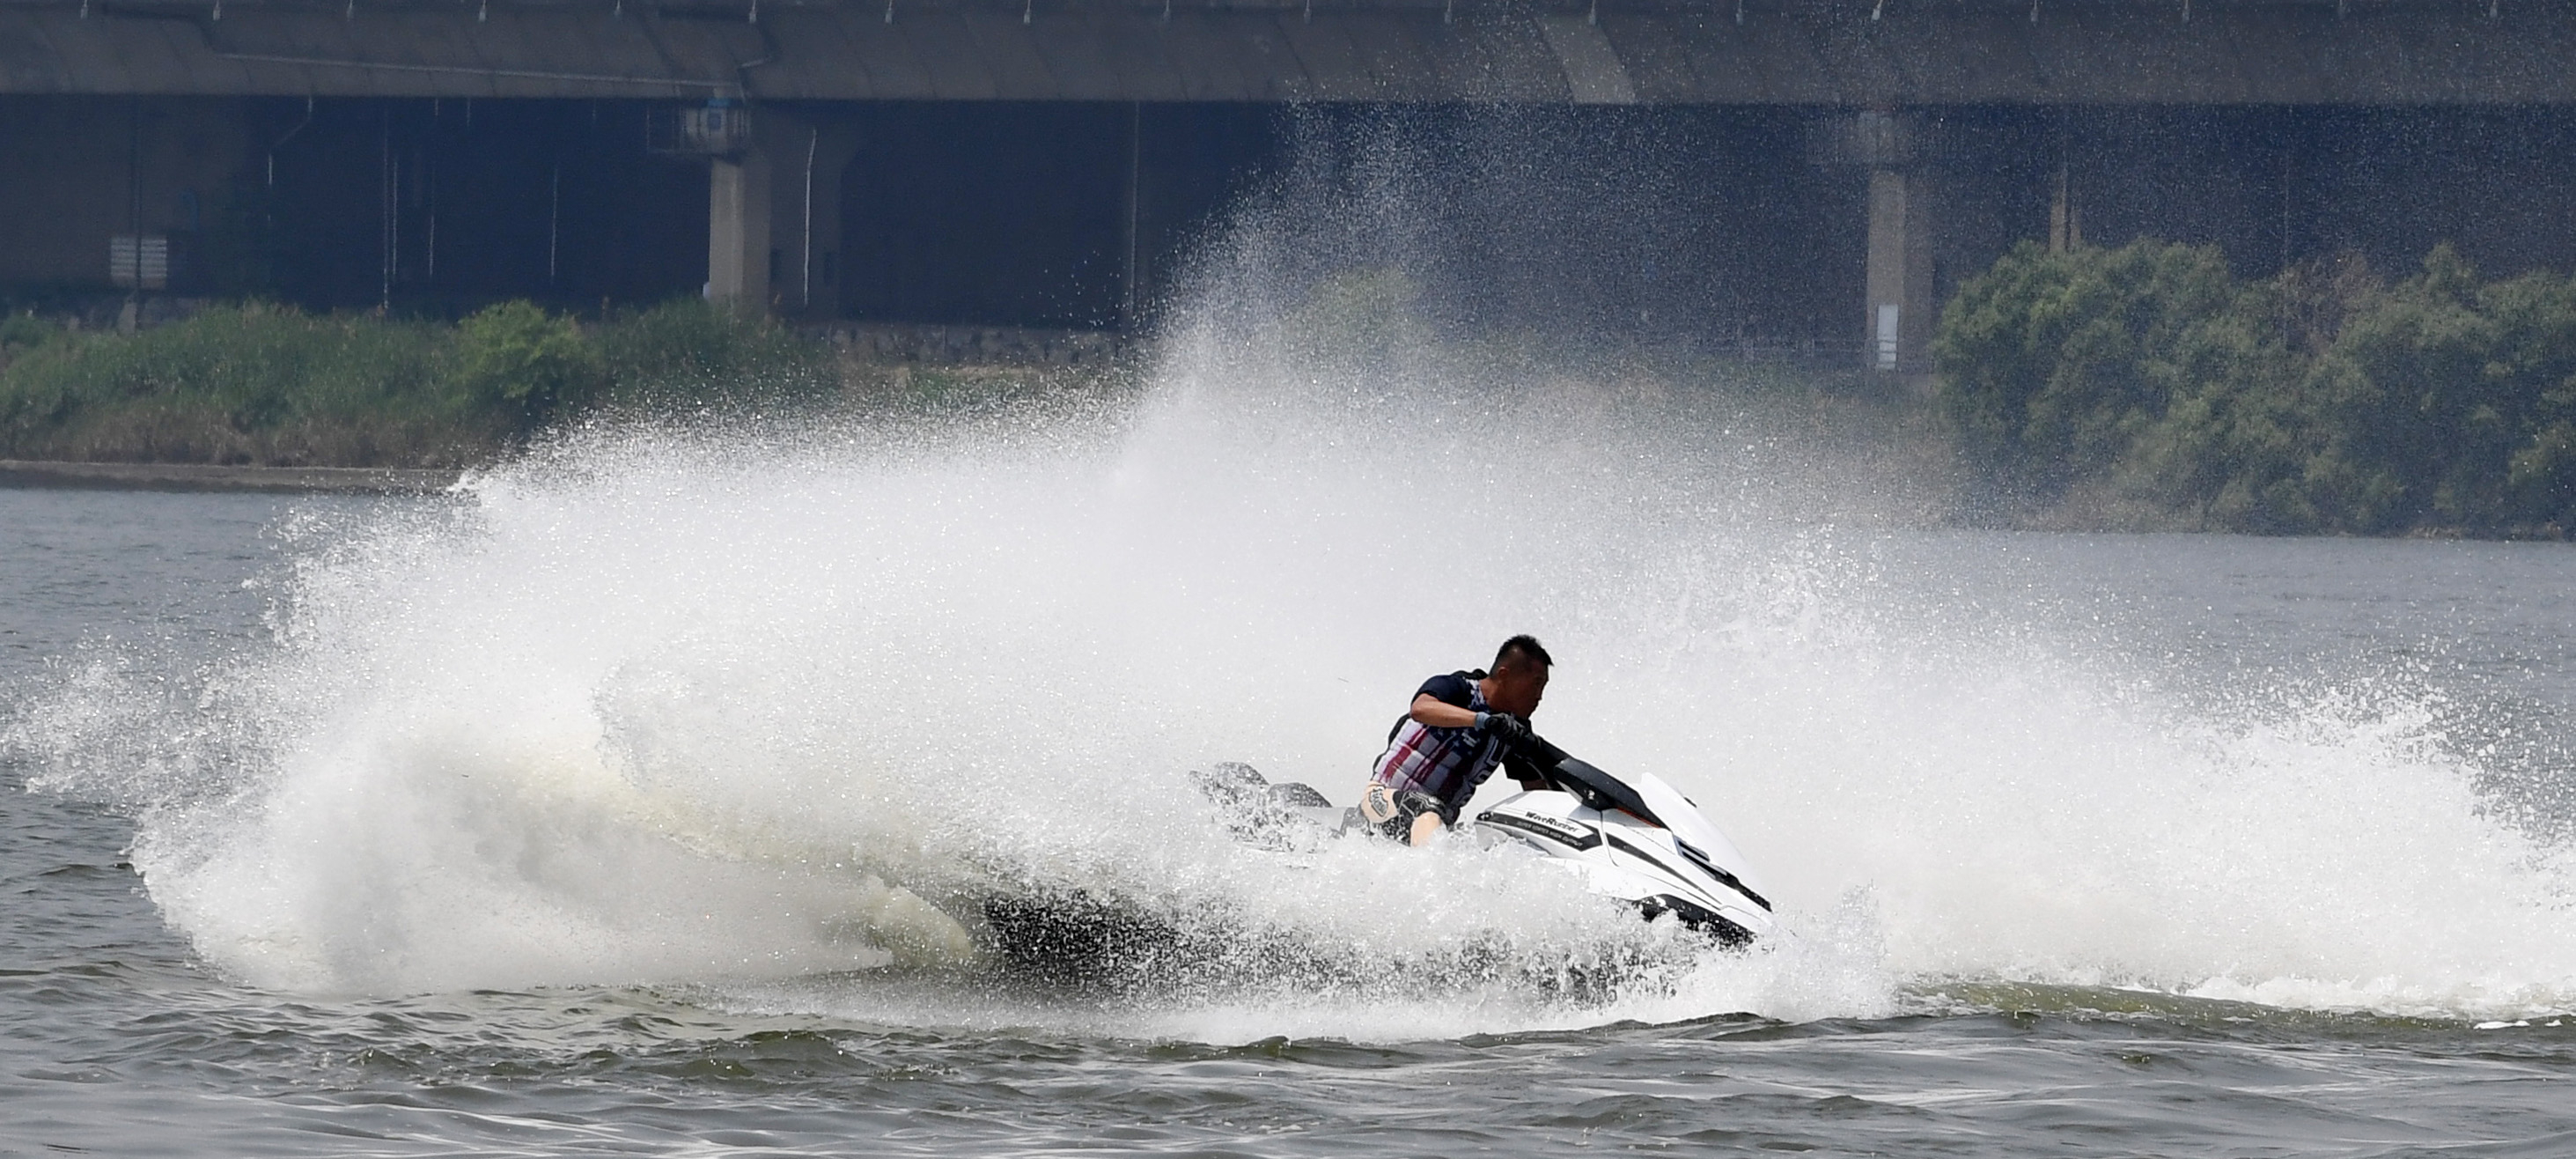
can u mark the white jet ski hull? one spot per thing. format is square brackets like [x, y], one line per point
[1692, 872]
[1636, 840]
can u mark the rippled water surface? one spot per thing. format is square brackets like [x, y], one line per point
[555, 818]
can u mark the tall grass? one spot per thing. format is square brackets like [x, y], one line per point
[686, 353]
[254, 383]
[243, 384]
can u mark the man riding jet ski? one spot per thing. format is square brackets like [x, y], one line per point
[1634, 839]
[1458, 729]
[1464, 725]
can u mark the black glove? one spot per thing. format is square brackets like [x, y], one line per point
[1502, 724]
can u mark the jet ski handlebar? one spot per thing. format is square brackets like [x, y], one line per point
[1595, 788]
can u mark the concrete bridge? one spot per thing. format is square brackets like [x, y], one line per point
[1892, 145]
[1854, 53]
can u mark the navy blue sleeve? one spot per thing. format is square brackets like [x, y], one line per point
[1450, 688]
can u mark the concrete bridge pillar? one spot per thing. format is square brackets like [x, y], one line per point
[774, 215]
[806, 160]
[1895, 150]
[1901, 306]
[739, 207]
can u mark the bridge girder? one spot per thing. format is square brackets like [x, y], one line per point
[1864, 53]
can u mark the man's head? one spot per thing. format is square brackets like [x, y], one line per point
[1519, 676]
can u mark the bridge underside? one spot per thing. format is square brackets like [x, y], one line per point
[1811, 175]
[1852, 53]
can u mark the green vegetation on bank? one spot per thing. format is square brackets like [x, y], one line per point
[2146, 386]
[260, 384]
[2141, 387]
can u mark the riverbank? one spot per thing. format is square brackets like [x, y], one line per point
[2143, 389]
[252, 396]
[254, 384]
[223, 477]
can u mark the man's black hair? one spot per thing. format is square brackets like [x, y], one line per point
[1525, 647]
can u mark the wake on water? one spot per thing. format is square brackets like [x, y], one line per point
[657, 707]
[763, 714]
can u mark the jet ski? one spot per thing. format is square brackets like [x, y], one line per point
[1635, 839]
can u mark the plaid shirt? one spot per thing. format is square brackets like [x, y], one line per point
[1447, 763]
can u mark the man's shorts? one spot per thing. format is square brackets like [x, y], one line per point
[1390, 813]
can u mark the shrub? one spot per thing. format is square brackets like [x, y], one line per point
[256, 383]
[2541, 477]
[23, 332]
[244, 383]
[2054, 361]
[515, 355]
[2301, 403]
[2230, 443]
[691, 352]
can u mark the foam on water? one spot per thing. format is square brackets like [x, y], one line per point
[658, 707]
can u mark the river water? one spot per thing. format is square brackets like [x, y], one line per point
[613, 803]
